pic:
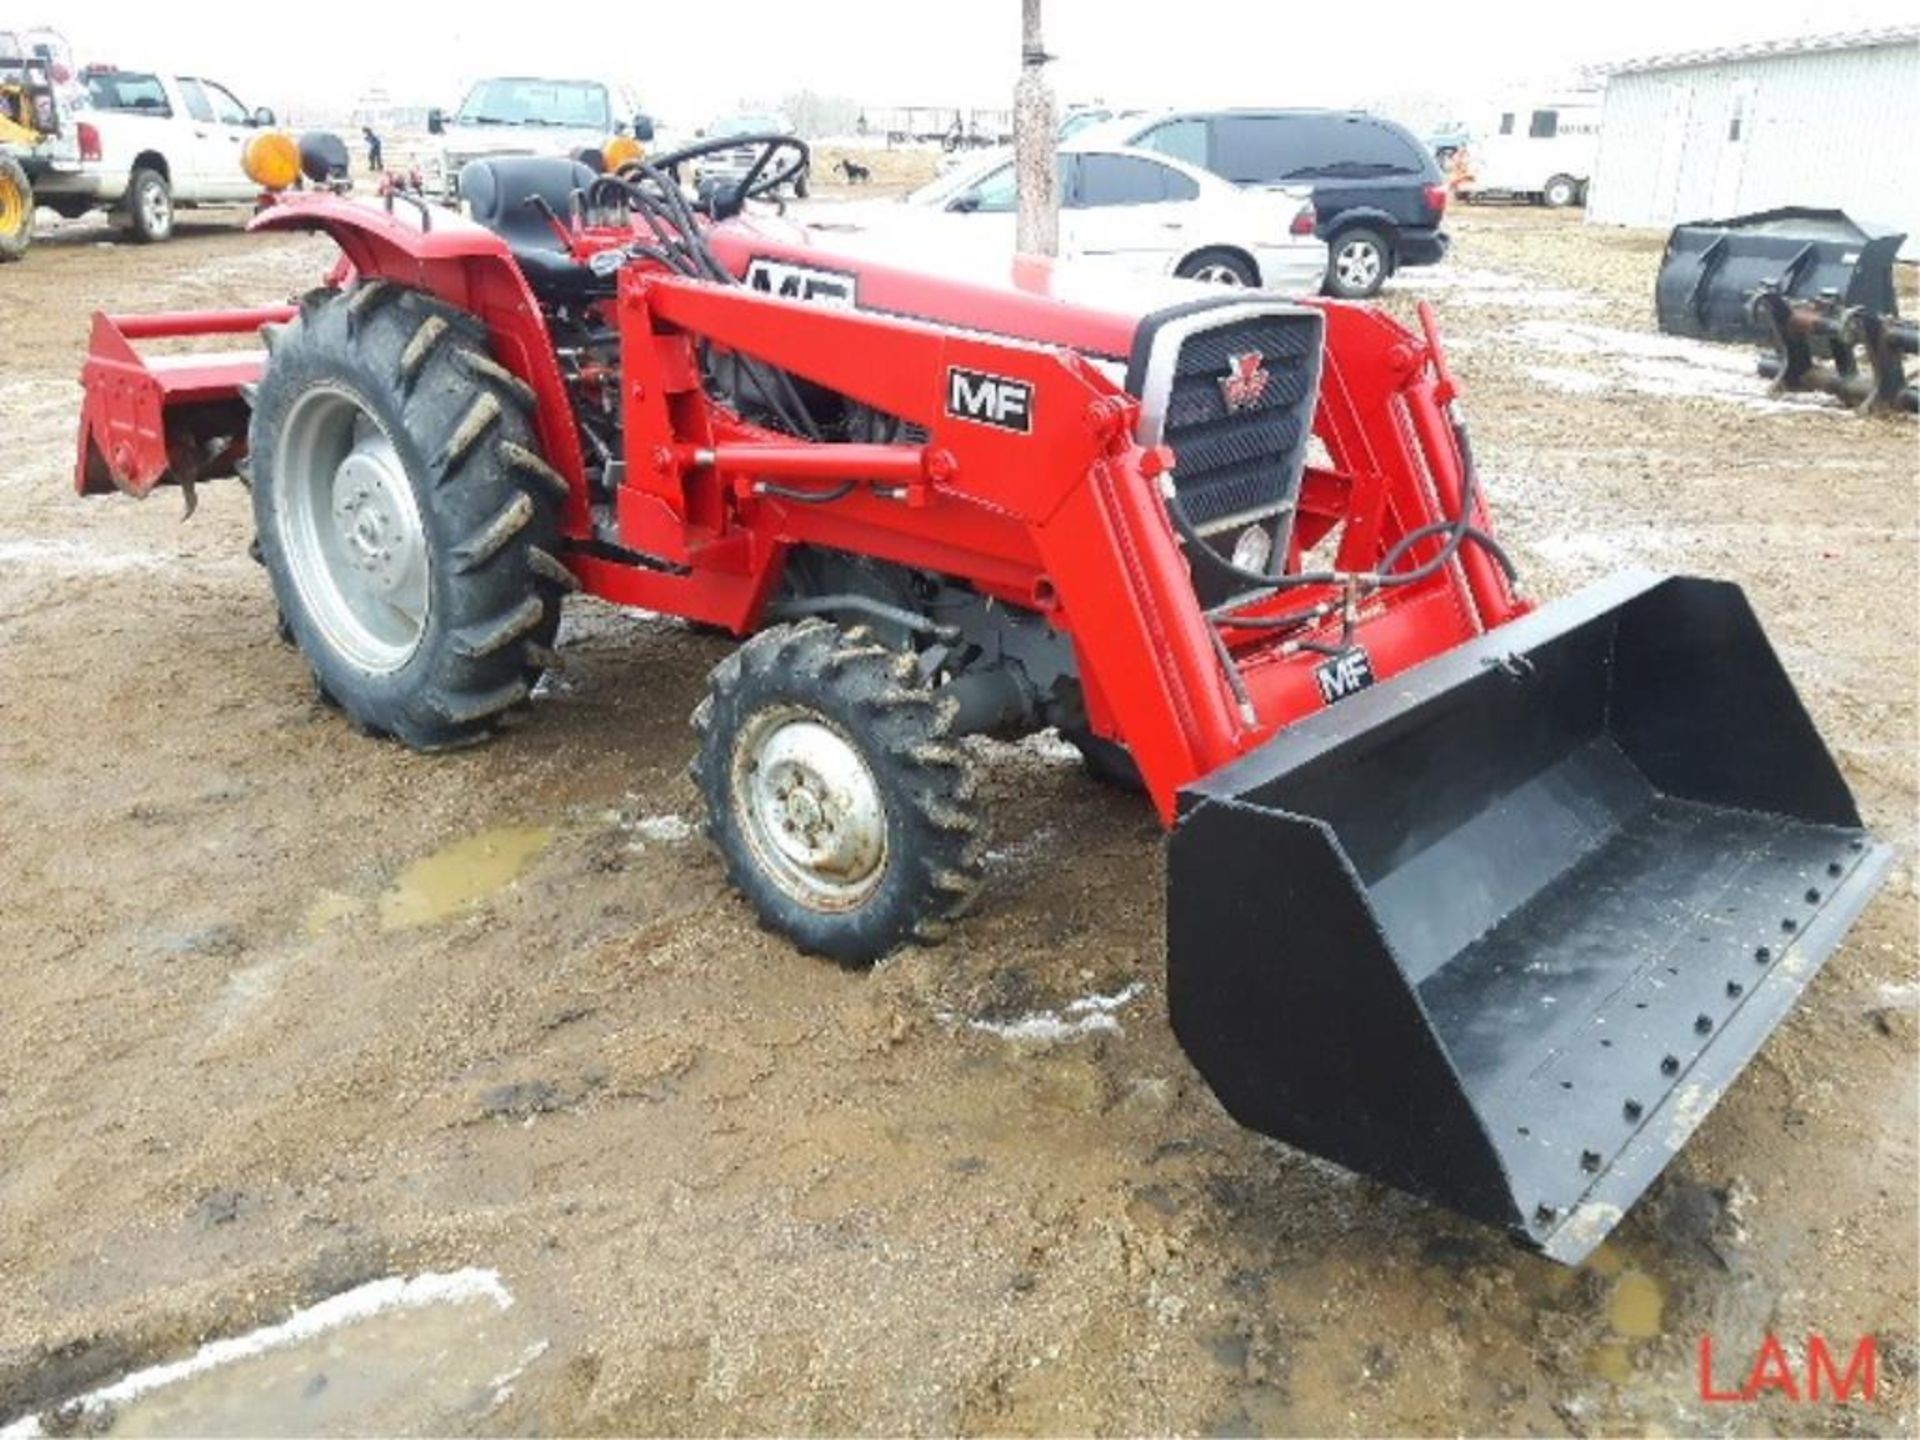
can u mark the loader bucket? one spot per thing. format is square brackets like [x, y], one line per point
[1712, 269]
[1500, 931]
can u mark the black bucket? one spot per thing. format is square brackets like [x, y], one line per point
[1713, 268]
[1501, 930]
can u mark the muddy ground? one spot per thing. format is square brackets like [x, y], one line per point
[284, 1010]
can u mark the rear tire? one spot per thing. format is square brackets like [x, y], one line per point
[405, 515]
[149, 207]
[1358, 263]
[1218, 267]
[1560, 192]
[16, 209]
[836, 796]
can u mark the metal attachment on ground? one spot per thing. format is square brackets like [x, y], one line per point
[1850, 352]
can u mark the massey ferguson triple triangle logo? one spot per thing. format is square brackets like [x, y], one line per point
[1245, 381]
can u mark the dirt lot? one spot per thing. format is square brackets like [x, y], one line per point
[286, 1010]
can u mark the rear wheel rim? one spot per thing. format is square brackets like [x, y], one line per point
[810, 809]
[1218, 272]
[156, 207]
[12, 207]
[351, 530]
[1358, 264]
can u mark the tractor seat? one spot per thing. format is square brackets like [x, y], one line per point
[499, 193]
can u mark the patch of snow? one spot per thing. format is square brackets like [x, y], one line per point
[77, 557]
[502, 1384]
[1050, 745]
[1672, 366]
[395, 1292]
[1568, 381]
[666, 829]
[1491, 287]
[1089, 1015]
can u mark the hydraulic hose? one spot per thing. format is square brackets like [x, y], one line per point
[1458, 531]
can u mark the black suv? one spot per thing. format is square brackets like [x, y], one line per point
[1377, 191]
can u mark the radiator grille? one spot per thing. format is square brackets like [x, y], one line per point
[1235, 467]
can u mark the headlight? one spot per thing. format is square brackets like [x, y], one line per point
[1253, 550]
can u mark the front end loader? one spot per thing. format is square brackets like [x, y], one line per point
[1488, 900]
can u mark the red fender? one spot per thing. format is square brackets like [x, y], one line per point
[445, 254]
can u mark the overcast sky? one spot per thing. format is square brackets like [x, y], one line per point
[698, 58]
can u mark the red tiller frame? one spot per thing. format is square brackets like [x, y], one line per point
[1066, 520]
[141, 412]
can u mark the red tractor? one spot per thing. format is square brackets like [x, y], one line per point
[1487, 900]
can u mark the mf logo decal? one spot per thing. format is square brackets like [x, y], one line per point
[1345, 674]
[990, 400]
[1245, 381]
[801, 282]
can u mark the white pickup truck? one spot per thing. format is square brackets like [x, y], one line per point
[149, 143]
[523, 115]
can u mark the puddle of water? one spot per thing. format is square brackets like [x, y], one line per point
[430, 1354]
[461, 875]
[1633, 1312]
[1612, 1361]
[327, 911]
[1635, 1307]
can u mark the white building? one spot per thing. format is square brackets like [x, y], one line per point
[1825, 121]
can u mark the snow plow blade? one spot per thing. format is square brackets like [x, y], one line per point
[1501, 930]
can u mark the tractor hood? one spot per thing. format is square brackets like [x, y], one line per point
[1094, 310]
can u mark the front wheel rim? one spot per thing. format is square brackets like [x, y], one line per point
[1218, 273]
[1358, 265]
[810, 808]
[351, 530]
[12, 206]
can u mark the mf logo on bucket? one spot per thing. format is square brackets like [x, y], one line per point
[1245, 381]
[789, 281]
[990, 400]
[1345, 674]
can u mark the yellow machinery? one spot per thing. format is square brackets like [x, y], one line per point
[31, 64]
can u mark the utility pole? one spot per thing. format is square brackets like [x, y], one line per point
[1035, 132]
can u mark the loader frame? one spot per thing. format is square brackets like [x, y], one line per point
[1065, 520]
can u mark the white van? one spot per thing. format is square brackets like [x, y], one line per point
[1541, 151]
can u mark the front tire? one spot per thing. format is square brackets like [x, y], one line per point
[149, 207]
[840, 804]
[1219, 267]
[1358, 263]
[405, 515]
[16, 209]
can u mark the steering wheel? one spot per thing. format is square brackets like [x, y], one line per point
[763, 177]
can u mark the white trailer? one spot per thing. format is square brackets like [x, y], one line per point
[1540, 149]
